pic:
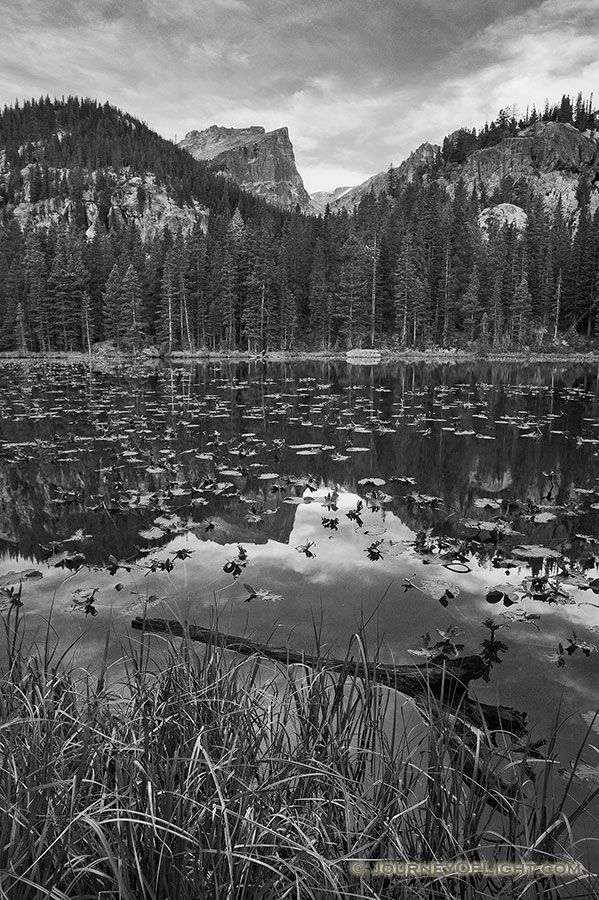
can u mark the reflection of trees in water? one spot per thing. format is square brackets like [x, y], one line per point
[159, 410]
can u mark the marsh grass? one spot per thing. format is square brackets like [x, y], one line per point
[203, 776]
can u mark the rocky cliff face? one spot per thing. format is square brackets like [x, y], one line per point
[551, 156]
[132, 198]
[262, 162]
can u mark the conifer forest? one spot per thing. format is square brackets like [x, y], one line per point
[409, 268]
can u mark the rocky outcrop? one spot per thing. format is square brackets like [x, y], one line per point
[260, 161]
[541, 149]
[132, 198]
[502, 214]
[550, 155]
[418, 162]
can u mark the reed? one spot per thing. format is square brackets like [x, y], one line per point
[201, 776]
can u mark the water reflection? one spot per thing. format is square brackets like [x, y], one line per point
[467, 463]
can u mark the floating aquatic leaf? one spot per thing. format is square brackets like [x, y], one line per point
[330, 523]
[374, 552]
[184, 553]
[66, 560]
[440, 590]
[542, 517]
[83, 601]
[503, 593]
[330, 500]
[377, 482]
[522, 616]
[535, 551]
[152, 534]
[306, 549]
[487, 503]
[16, 577]
[261, 594]
[354, 514]
[425, 500]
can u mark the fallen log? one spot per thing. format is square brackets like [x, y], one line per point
[414, 680]
[446, 680]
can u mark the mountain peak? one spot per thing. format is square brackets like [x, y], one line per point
[262, 162]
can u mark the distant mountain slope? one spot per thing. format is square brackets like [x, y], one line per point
[83, 162]
[549, 156]
[261, 162]
[418, 162]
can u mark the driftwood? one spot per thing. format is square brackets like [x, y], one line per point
[447, 681]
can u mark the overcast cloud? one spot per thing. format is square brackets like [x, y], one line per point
[359, 83]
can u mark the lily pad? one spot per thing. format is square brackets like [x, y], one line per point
[503, 593]
[16, 577]
[542, 517]
[535, 551]
[487, 503]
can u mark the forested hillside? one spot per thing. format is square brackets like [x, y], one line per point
[87, 255]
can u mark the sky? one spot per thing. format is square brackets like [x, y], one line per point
[359, 83]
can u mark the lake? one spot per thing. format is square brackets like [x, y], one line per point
[285, 500]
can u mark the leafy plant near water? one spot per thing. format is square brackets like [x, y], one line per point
[200, 776]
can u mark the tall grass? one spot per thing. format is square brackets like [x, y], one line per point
[200, 776]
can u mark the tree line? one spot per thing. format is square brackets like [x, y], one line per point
[409, 269]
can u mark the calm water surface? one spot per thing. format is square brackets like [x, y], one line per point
[242, 476]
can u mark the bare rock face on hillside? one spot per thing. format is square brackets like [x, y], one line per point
[550, 155]
[260, 161]
[132, 199]
[543, 148]
[500, 215]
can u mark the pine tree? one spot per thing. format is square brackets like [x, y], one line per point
[111, 308]
[352, 303]
[67, 286]
[470, 308]
[36, 304]
[411, 294]
[130, 310]
[321, 299]
[522, 310]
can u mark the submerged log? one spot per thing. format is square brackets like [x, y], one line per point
[447, 680]
[436, 687]
[451, 677]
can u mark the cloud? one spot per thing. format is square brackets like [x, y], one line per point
[358, 84]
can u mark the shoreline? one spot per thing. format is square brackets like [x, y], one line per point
[291, 356]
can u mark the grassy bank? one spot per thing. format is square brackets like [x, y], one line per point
[200, 776]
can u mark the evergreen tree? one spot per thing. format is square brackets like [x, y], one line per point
[111, 308]
[67, 289]
[352, 307]
[130, 310]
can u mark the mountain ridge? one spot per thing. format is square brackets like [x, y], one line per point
[260, 161]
